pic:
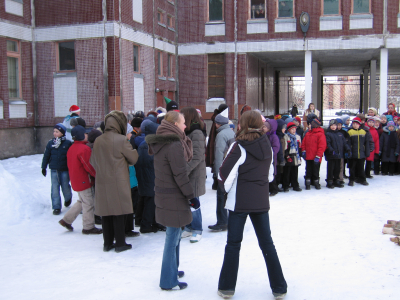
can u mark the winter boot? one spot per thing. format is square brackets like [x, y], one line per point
[317, 185]
[329, 185]
[338, 184]
[215, 184]
[308, 184]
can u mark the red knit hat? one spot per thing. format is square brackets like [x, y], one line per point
[74, 109]
[298, 119]
[357, 120]
[290, 125]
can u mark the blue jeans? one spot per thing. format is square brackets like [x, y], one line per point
[222, 213]
[59, 178]
[229, 271]
[170, 263]
[197, 223]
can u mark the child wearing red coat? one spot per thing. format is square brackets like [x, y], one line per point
[313, 147]
[375, 138]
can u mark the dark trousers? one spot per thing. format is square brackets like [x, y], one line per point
[357, 169]
[230, 267]
[377, 164]
[114, 227]
[149, 212]
[222, 213]
[388, 167]
[333, 169]
[139, 211]
[273, 186]
[129, 226]
[368, 167]
[290, 176]
[312, 170]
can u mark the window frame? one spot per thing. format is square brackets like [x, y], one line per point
[160, 66]
[58, 58]
[170, 21]
[352, 9]
[208, 13]
[322, 9]
[215, 76]
[161, 12]
[138, 59]
[17, 55]
[265, 7]
[170, 69]
[277, 11]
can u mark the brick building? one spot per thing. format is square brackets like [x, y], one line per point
[128, 54]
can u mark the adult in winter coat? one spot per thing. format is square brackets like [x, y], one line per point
[111, 157]
[82, 176]
[375, 153]
[244, 175]
[196, 169]
[313, 147]
[172, 150]
[310, 110]
[55, 156]
[294, 112]
[391, 110]
[389, 148]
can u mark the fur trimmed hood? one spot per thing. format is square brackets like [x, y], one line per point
[157, 141]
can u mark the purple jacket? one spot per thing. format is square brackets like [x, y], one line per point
[274, 140]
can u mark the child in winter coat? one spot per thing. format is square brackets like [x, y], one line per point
[375, 138]
[343, 161]
[278, 178]
[389, 148]
[314, 145]
[336, 147]
[292, 149]
[55, 156]
[360, 149]
[346, 123]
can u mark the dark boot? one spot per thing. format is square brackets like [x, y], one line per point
[317, 185]
[338, 184]
[215, 184]
[329, 185]
[308, 184]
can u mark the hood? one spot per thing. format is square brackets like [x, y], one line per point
[157, 141]
[274, 126]
[386, 129]
[318, 129]
[116, 121]
[225, 126]
[259, 148]
[281, 123]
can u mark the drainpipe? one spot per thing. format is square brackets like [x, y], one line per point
[385, 31]
[176, 54]
[34, 65]
[105, 62]
[235, 68]
[154, 58]
[120, 56]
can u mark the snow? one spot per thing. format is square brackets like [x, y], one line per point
[329, 243]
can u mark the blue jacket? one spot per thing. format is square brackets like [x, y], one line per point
[56, 158]
[145, 171]
[335, 142]
[132, 176]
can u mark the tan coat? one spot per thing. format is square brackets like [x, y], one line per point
[111, 156]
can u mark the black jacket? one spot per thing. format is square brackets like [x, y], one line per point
[335, 142]
[145, 171]
[389, 145]
[56, 158]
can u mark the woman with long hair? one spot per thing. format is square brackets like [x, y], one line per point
[310, 110]
[196, 169]
[244, 175]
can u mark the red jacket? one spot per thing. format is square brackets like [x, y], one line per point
[314, 143]
[79, 168]
[375, 138]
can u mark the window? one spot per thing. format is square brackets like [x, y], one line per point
[170, 21]
[159, 64]
[136, 66]
[215, 10]
[170, 64]
[257, 9]
[361, 6]
[285, 9]
[331, 7]
[216, 76]
[14, 69]
[160, 17]
[66, 56]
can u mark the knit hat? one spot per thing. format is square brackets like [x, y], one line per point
[291, 125]
[339, 121]
[136, 122]
[172, 105]
[74, 109]
[61, 128]
[377, 118]
[332, 122]
[371, 119]
[198, 111]
[161, 110]
[277, 117]
[345, 118]
[298, 119]
[78, 133]
[391, 123]
[357, 120]
[315, 123]
[139, 114]
[311, 117]
[288, 120]
[129, 128]
[389, 118]
[93, 135]
[222, 118]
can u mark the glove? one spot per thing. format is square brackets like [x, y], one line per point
[289, 159]
[333, 153]
[303, 155]
[194, 204]
[316, 160]
[44, 172]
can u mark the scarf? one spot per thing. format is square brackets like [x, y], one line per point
[57, 141]
[294, 145]
[168, 128]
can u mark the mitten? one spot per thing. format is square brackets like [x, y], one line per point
[44, 172]
[316, 160]
[194, 203]
[289, 159]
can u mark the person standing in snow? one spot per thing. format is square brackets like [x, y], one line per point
[75, 118]
[174, 195]
[82, 176]
[225, 137]
[292, 149]
[389, 148]
[111, 157]
[196, 169]
[375, 153]
[55, 156]
[244, 175]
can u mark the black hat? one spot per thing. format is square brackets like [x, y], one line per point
[61, 128]
[332, 122]
[139, 114]
[93, 135]
[136, 122]
[172, 105]
[78, 133]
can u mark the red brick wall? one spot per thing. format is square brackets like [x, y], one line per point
[26, 19]
[113, 62]
[127, 75]
[148, 16]
[61, 12]
[147, 70]
[112, 10]
[393, 10]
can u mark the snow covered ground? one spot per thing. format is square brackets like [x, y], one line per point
[329, 243]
